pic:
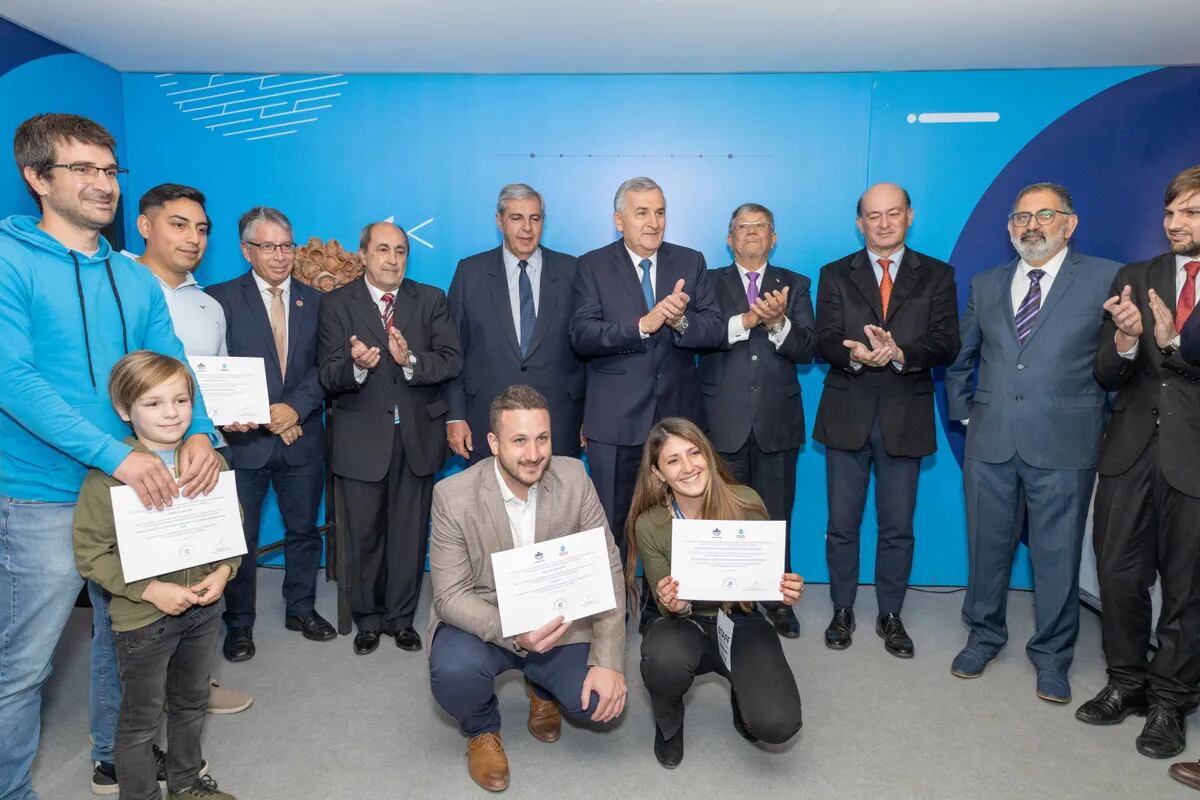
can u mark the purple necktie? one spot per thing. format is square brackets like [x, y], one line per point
[1027, 312]
[752, 289]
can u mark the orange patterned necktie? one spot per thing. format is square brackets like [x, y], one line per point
[885, 284]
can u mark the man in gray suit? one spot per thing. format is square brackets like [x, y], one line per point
[1023, 381]
[520, 496]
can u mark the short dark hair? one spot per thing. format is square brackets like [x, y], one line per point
[515, 398]
[262, 214]
[1060, 191]
[166, 192]
[903, 191]
[751, 208]
[36, 138]
[364, 238]
[1186, 182]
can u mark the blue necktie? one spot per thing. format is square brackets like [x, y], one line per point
[528, 317]
[647, 289]
[1027, 312]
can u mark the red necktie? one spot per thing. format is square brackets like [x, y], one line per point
[885, 284]
[388, 311]
[1187, 297]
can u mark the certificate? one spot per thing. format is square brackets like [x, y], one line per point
[185, 534]
[234, 389]
[569, 577]
[728, 559]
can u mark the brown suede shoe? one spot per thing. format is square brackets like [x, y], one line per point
[1186, 772]
[545, 718]
[486, 762]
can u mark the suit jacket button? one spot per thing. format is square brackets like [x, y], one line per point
[524, 368]
[1020, 366]
[1020, 397]
[1154, 411]
[754, 358]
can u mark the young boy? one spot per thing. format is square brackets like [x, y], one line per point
[166, 628]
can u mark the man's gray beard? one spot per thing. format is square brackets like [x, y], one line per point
[1036, 251]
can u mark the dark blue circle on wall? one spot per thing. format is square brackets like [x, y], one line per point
[1115, 152]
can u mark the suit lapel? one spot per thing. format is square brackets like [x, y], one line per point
[498, 286]
[862, 275]
[254, 300]
[296, 315]
[1003, 299]
[493, 501]
[1060, 286]
[547, 300]
[544, 510]
[731, 278]
[906, 280]
[627, 275]
[1162, 280]
[665, 273]
[364, 308]
[403, 306]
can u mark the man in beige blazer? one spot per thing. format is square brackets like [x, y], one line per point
[518, 497]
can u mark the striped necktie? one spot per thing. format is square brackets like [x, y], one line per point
[525, 297]
[1027, 312]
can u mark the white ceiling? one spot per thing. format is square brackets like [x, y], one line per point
[615, 36]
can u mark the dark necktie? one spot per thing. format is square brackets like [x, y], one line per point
[1027, 312]
[528, 317]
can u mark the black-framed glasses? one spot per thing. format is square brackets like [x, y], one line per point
[270, 247]
[90, 171]
[1044, 217]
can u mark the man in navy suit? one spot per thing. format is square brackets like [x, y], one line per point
[272, 317]
[643, 308]
[512, 306]
[1023, 384]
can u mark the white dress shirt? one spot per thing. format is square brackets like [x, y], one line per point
[360, 374]
[738, 331]
[512, 272]
[1020, 283]
[521, 513]
[1180, 281]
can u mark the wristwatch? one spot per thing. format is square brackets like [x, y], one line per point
[772, 330]
[687, 611]
[1171, 347]
[682, 327]
[521, 651]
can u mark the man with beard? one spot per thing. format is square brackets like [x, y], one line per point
[519, 497]
[1023, 381]
[70, 308]
[1148, 497]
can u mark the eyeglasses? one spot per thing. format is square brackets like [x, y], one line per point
[270, 247]
[90, 171]
[1044, 217]
[746, 227]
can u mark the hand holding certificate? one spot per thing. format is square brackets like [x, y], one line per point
[234, 389]
[728, 560]
[189, 532]
[566, 577]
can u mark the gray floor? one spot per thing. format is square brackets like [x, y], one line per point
[329, 724]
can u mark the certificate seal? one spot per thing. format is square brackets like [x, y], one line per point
[185, 551]
[729, 584]
[561, 606]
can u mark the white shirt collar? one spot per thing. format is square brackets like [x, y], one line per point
[190, 280]
[637, 260]
[512, 262]
[263, 286]
[1181, 261]
[1051, 267]
[893, 260]
[377, 293]
[507, 493]
[744, 272]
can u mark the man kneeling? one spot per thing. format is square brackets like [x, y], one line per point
[519, 497]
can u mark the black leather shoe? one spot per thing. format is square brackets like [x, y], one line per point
[784, 619]
[312, 625]
[837, 635]
[1163, 736]
[366, 642]
[239, 645]
[408, 639]
[895, 638]
[1112, 705]
[739, 724]
[669, 752]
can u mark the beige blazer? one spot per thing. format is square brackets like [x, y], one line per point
[469, 524]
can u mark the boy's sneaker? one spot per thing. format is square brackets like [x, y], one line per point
[205, 788]
[160, 766]
[104, 779]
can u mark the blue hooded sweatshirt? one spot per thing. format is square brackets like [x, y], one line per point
[65, 319]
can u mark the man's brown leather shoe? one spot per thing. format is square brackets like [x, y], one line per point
[545, 718]
[1186, 772]
[487, 763]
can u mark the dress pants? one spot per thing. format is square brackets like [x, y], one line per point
[463, 670]
[773, 477]
[675, 651]
[388, 521]
[1057, 503]
[847, 473]
[298, 490]
[1144, 527]
[614, 469]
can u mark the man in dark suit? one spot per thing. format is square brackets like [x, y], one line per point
[643, 308]
[512, 305]
[272, 317]
[1148, 497]
[387, 344]
[1036, 415]
[751, 393]
[886, 316]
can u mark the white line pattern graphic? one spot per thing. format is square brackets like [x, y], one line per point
[238, 105]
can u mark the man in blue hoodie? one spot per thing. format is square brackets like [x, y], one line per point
[70, 307]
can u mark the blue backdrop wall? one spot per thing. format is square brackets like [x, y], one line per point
[337, 151]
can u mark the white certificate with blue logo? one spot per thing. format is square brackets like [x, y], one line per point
[568, 577]
[728, 560]
[234, 388]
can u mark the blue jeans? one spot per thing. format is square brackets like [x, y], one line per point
[38, 587]
[104, 680]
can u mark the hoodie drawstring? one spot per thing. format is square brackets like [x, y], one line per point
[87, 342]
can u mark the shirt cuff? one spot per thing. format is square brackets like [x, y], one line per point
[1129, 354]
[408, 371]
[855, 366]
[737, 331]
[360, 375]
[777, 338]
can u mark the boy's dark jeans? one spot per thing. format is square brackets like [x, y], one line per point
[164, 663]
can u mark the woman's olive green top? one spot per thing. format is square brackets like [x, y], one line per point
[653, 530]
